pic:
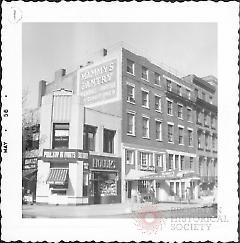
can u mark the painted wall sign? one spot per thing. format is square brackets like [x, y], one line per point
[99, 83]
[71, 155]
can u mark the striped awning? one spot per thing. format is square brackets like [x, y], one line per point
[58, 176]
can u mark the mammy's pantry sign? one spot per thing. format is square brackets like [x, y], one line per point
[98, 83]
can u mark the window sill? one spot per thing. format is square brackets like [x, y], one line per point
[157, 85]
[130, 134]
[180, 118]
[171, 142]
[159, 111]
[131, 102]
[145, 80]
[169, 114]
[131, 74]
[146, 107]
[159, 140]
[190, 121]
[146, 138]
[182, 144]
[129, 163]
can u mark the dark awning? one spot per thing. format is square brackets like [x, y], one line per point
[58, 176]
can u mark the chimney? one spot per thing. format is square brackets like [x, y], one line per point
[60, 73]
[41, 91]
[104, 52]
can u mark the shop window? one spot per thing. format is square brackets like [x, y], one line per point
[89, 137]
[159, 160]
[130, 123]
[171, 188]
[144, 73]
[143, 186]
[60, 190]
[60, 135]
[129, 156]
[85, 184]
[108, 137]
[145, 98]
[156, 79]
[180, 135]
[169, 107]
[130, 67]
[180, 111]
[131, 93]
[170, 133]
[158, 105]
[145, 127]
[159, 130]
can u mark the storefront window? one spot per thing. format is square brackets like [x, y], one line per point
[60, 135]
[85, 183]
[89, 135]
[108, 146]
[143, 186]
[107, 184]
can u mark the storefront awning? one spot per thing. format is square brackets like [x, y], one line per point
[57, 176]
[134, 175]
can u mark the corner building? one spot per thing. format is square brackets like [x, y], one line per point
[115, 127]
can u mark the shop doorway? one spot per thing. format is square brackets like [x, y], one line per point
[129, 189]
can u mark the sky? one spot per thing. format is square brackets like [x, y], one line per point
[190, 48]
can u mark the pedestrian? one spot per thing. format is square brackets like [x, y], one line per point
[152, 193]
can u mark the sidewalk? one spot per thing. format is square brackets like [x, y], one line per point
[102, 210]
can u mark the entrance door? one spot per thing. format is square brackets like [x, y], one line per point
[129, 189]
[96, 192]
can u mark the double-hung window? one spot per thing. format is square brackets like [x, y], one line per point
[190, 137]
[159, 160]
[189, 114]
[170, 133]
[179, 89]
[180, 111]
[108, 141]
[146, 159]
[170, 161]
[129, 156]
[181, 162]
[145, 127]
[157, 79]
[169, 85]
[144, 73]
[145, 99]
[169, 107]
[180, 135]
[191, 163]
[158, 105]
[89, 135]
[158, 130]
[130, 67]
[188, 92]
[130, 93]
[131, 123]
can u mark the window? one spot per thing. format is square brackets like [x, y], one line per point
[169, 85]
[214, 140]
[156, 79]
[191, 163]
[158, 105]
[159, 160]
[89, 135]
[205, 119]
[145, 125]
[130, 157]
[170, 162]
[130, 66]
[176, 162]
[85, 184]
[179, 89]
[181, 162]
[199, 140]
[213, 122]
[199, 118]
[196, 93]
[144, 73]
[131, 123]
[190, 138]
[180, 135]
[159, 130]
[170, 133]
[189, 114]
[146, 159]
[203, 96]
[206, 141]
[108, 141]
[171, 188]
[169, 107]
[210, 99]
[145, 99]
[180, 111]
[60, 135]
[188, 92]
[130, 93]
[143, 186]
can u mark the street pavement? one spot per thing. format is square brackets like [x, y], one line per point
[164, 209]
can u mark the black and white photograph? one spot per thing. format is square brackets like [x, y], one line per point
[122, 121]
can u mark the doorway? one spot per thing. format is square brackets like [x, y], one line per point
[129, 189]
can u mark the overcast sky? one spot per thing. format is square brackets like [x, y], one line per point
[191, 48]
